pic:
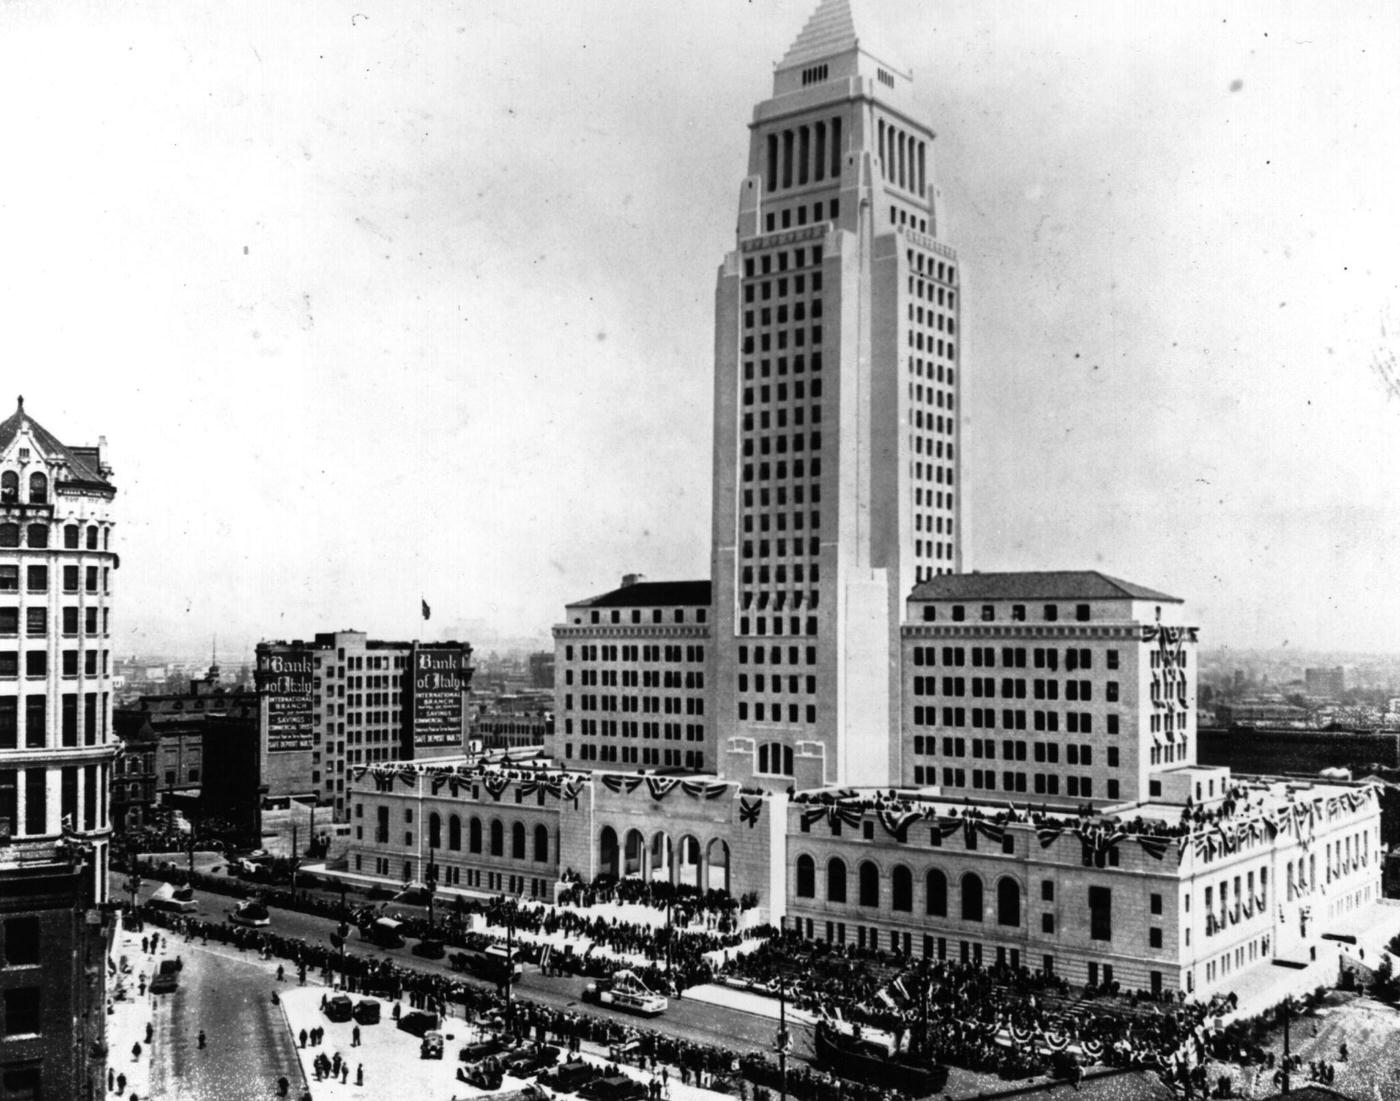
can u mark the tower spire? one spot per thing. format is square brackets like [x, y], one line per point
[830, 30]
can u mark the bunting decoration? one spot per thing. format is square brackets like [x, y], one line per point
[897, 823]
[1047, 834]
[1155, 847]
[701, 789]
[660, 786]
[812, 814]
[495, 783]
[383, 781]
[618, 784]
[570, 789]
[749, 810]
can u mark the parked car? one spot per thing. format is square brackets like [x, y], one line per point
[167, 982]
[339, 1008]
[485, 1075]
[568, 1077]
[625, 991]
[613, 1087]
[176, 900]
[367, 1012]
[529, 1060]
[385, 932]
[418, 1023]
[431, 1047]
[482, 1049]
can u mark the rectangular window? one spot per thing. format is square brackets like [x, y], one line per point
[38, 579]
[35, 801]
[1100, 913]
[22, 1011]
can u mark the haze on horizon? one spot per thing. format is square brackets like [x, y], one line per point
[403, 300]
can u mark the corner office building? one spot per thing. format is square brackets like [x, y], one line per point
[344, 699]
[56, 751]
[632, 676]
[837, 391]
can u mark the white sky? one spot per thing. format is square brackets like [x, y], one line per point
[382, 300]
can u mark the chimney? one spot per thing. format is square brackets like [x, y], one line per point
[632, 578]
[102, 467]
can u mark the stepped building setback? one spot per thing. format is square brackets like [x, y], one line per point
[56, 750]
[882, 749]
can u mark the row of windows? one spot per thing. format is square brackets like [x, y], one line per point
[775, 655]
[637, 678]
[780, 471]
[773, 712]
[665, 758]
[36, 536]
[802, 154]
[677, 615]
[628, 728]
[779, 547]
[765, 393]
[1050, 613]
[794, 684]
[37, 579]
[799, 339]
[986, 748]
[1012, 657]
[36, 621]
[985, 779]
[766, 316]
[38, 488]
[779, 574]
[36, 663]
[759, 625]
[798, 361]
[648, 653]
[985, 718]
[72, 780]
[1012, 688]
[646, 705]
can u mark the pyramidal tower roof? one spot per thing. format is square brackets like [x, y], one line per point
[832, 32]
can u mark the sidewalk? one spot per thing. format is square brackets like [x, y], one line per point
[130, 1011]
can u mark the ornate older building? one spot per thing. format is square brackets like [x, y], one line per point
[56, 752]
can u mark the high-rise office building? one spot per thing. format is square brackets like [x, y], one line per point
[56, 750]
[837, 377]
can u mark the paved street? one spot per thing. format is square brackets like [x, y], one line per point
[697, 1021]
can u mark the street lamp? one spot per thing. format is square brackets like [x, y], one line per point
[783, 1041]
[1286, 1009]
[430, 877]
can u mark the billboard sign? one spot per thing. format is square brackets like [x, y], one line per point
[284, 679]
[440, 681]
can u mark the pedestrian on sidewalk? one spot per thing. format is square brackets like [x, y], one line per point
[121, 1084]
[150, 1031]
[359, 1074]
[355, 1036]
[201, 1039]
[136, 1051]
[145, 944]
[344, 1073]
[283, 1086]
[302, 1037]
[111, 1080]
[281, 972]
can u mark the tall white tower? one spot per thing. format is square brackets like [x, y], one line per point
[837, 379]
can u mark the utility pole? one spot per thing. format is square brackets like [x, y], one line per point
[294, 857]
[510, 964]
[430, 884]
[1287, 1008]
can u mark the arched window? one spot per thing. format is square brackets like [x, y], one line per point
[474, 835]
[541, 843]
[869, 883]
[517, 841]
[936, 893]
[70, 536]
[454, 833]
[435, 830]
[836, 880]
[971, 897]
[9, 487]
[901, 889]
[38, 535]
[38, 488]
[806, 877]
[1008, 902]
[9, 535]
[92, 537]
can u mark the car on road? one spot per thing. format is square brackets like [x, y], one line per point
[529, 1060]
[430, 948]
[485, 1075]
[385, 932]
[569, 1077]
[431, 1047]
[367, 1012]
[167, 982]
[418, 1023]
[250, 913]
[482, 1049]
[175, 900]
[613, 1087]
[339, 1008]
[625, 991]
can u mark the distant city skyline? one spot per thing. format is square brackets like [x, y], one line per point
[418, 304]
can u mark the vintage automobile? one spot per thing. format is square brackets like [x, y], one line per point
[613, 1087]
[168, 980]
[175, 900]
[569, 1077]
[430, 948]
[481, 1049]
[485, 1075]
[367, 1012]
[250, 913]
[339, 1008]
[529, 1060]
[431, 1047]
[419, 1023]
[384, 932]
[625, 991]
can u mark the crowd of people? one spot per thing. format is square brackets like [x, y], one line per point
[717, 1068]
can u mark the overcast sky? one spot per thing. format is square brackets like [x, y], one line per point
[387, 300]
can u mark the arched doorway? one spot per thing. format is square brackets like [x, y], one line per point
[661, 858]
[717, 859]
[688, 862]
[634, 855]
[607, 853]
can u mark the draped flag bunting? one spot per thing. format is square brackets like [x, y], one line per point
[496, 784]
[1093, 1049]
[702, 789]
[660, 786]
[749, 810]
[1155, 847]
[897, 822]
[570, 789]
[1047, 835]
[812, 814]
[616, 783]
[383, 781]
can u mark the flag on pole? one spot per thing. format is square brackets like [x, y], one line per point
[427, 612]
